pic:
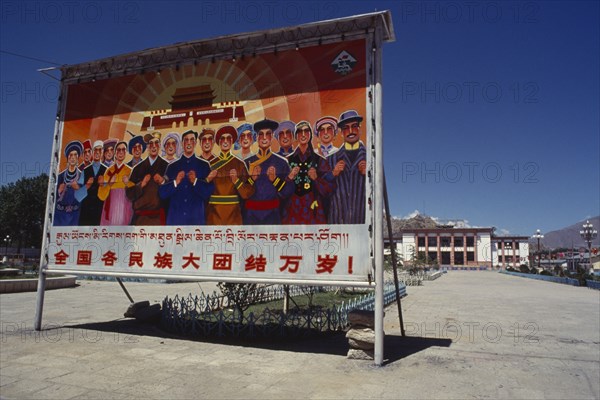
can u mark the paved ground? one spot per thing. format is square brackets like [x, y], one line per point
[471, 335]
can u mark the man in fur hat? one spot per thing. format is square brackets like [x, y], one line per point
[136, 146]
[270, 177]
[68, 196]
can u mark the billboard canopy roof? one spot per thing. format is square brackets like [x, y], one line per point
[236, 46]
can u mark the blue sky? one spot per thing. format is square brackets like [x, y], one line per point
[491, 108]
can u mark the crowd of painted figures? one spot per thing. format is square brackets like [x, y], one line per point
[172, 185]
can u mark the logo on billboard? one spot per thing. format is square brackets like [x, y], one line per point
[343, 63]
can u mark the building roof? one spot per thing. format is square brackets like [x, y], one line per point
[225, 47]
[446, 230]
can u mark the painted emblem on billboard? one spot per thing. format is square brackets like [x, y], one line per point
[343, 63]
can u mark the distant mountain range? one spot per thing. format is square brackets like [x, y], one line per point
[418, 221]
[568, 237]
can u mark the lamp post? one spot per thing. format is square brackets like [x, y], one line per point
[538, 235]
[6, 241]
[588, 234]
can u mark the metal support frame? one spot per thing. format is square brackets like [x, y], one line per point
[392, 243]
[125, 290]
[375, 147]
[52, 176]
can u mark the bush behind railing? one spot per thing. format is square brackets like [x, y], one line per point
[205, 315]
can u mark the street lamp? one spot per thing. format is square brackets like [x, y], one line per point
[588, 234]
[6, 241]
[538, 235]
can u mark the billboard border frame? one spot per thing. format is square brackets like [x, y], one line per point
[373, 34]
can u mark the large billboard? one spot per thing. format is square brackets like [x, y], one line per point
[249, 168]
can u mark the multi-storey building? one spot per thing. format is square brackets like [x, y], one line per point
[463, 247]
[510, 251]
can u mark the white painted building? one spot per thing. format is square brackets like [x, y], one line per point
[463, 247]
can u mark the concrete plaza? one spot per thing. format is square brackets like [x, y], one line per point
[470, 335]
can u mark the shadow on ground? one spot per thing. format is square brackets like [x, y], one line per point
[398, 347]
[335, 343]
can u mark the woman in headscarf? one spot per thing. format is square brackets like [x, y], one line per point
[171, 147]
[313, 180]
[245, 137]
[117, 208]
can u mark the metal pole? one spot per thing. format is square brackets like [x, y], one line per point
[393, 250]
[286, 299]
[39, 304]
[539, 254]
[378, 198]
[125, 290]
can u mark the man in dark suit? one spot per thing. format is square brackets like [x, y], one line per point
[147, 176]
[93, 175]
[349, 168]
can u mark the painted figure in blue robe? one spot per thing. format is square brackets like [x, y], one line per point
[68, 196]
[269, 174]
[187, 186]
[349, 167]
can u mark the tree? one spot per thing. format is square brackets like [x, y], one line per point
[242, 295]
[22, 211]
[558, 271]
[388, 261]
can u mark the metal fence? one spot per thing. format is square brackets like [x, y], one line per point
[205, 315]
[411, 279]
[433, 275]
[592, 284]
[463, 268]
[556, 279]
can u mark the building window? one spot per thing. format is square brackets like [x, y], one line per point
[432, 256]
[432, 241]
[458, 242]
[445, 241]
[470, 241]
[445, 258]
[516, 245]
[459, 258]
[470, 255]
[421, 242]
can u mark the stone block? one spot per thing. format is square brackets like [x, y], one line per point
[358, 344]
[134, 307]
[362, 334]
[356, 354]
[362, 318]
